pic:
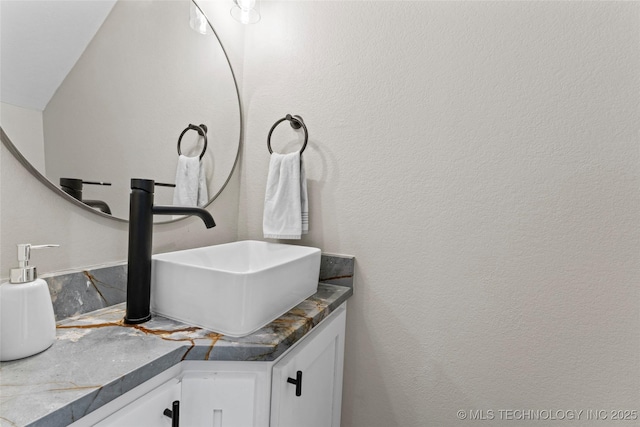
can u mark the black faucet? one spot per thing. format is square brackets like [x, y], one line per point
[74, 186]
[141, 211]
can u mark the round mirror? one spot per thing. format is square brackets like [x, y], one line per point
[95, 93]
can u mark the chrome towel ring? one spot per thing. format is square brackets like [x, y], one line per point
[202, 130]
[296, 122]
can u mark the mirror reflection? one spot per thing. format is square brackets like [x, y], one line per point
[96, 93]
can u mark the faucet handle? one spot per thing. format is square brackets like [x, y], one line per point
[96, 182]
[147, 184]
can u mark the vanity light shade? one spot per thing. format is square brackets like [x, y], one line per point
[246, 11]
[197, 21]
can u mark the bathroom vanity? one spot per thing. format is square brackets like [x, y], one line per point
[103, 372]
[301, 388]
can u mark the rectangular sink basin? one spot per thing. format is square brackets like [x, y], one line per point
[234, 288]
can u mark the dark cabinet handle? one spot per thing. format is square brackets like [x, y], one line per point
[173, 413]
[297, 382]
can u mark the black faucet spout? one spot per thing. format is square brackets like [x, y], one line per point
[204, 215]
[141, 211]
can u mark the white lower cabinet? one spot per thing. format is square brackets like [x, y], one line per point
[303, 388]
[306, 387]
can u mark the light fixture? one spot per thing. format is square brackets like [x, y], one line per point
[197, 21]
[246, 11]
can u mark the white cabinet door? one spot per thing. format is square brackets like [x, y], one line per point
[307, 382]
[147, 411]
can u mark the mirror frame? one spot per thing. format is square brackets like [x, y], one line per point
[6, 141]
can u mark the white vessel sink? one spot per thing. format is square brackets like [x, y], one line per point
[235, 288]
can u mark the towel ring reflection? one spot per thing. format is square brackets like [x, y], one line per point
[202, 131]
[296, 122]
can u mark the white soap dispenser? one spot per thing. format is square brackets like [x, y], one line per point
[27, 322]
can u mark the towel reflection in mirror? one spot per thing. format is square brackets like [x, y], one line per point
[191, 180]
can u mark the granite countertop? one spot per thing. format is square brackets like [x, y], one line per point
[96, 358]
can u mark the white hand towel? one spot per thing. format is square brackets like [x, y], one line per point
[304, 198]
[191, 185]
[203, 192]
[286, 213]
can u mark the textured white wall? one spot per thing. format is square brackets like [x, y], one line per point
[481, 161]
[25, 127]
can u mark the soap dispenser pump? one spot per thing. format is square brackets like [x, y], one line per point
[27, 322]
